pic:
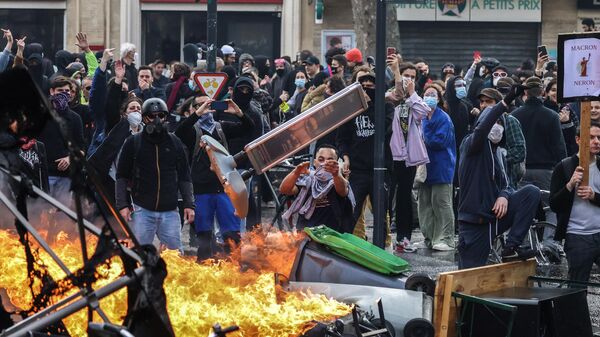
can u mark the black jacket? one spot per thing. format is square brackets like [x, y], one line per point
[203, 178]
[159, 171]
[152, 92]
[569, 128]
[543, 134]
[561, 200]
[55, 144]
[356, 139]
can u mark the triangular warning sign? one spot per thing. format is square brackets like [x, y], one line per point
[211, 83]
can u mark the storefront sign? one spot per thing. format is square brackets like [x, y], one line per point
[578, 66]
[471, 10]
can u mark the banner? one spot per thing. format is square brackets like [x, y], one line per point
[578, 66]
[470, 10]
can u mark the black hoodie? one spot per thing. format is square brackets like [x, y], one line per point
[248, 107]
[61, 60]
[459, 111]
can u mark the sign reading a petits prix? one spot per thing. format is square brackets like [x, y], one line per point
[470, 10]
[578, 66]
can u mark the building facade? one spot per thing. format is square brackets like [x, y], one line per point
[439, 30]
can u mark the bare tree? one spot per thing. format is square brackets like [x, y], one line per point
[364, 13]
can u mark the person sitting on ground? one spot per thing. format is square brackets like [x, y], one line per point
[488, 206]
[322, 194]
[578, 208]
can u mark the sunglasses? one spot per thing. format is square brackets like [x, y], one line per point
[160, 115]
[500, 74]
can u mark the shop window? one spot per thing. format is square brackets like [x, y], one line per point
[44, 26]
[162, 36]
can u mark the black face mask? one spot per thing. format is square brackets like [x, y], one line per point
[334, 70]
[279, 72]
[371, 93]
[155, 128]
[241, 99]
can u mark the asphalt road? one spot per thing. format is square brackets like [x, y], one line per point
[433, 262]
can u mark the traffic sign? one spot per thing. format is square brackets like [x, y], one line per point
[211, 83]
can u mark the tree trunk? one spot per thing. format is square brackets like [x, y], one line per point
[364, 15]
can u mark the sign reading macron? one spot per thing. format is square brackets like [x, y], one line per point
[581, 68]
[470, 10]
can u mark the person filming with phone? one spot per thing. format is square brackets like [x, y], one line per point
[209, 195]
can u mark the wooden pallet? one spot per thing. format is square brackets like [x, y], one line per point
[474, 281]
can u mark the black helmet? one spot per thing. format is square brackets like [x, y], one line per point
[154, 105]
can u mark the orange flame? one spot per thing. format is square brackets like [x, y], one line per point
[198, 295]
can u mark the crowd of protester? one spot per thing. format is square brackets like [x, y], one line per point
[473, 145]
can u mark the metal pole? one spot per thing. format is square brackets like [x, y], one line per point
[378, 193]
[211, 29]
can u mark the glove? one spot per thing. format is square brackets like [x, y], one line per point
[515, 91]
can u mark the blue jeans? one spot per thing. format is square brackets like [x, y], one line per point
[60, 189]
[166, 225]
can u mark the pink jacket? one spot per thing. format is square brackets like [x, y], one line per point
[413, 151]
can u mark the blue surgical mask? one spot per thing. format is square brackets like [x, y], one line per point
[431, 101]
[192, 85]
[461, 92]
[300, 82]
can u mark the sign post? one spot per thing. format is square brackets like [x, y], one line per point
[579, 81]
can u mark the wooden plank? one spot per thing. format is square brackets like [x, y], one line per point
[447, 323]
[475, 281]
[584, 142]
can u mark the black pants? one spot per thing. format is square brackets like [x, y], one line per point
[582, 252]
[362, 186]
[402, 179]
[208, 247]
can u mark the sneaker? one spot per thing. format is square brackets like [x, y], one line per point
[420, 245]
[516, 253]
[405, 246]
[442, 247]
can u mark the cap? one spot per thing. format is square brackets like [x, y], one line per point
[368, 76]
[505, 82]
[312, 60]
[533, 82]
[354, 55]
[491, 93]
[34, 56]
[490, 62]
[227, 50]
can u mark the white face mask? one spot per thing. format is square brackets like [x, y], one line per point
[495, 135]
[134, 118]
[495, 81]
[481, 71]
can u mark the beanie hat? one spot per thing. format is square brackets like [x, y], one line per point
[354, 55]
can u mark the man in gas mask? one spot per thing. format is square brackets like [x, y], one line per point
[154, 164]
[488, 206]
[356, 143]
